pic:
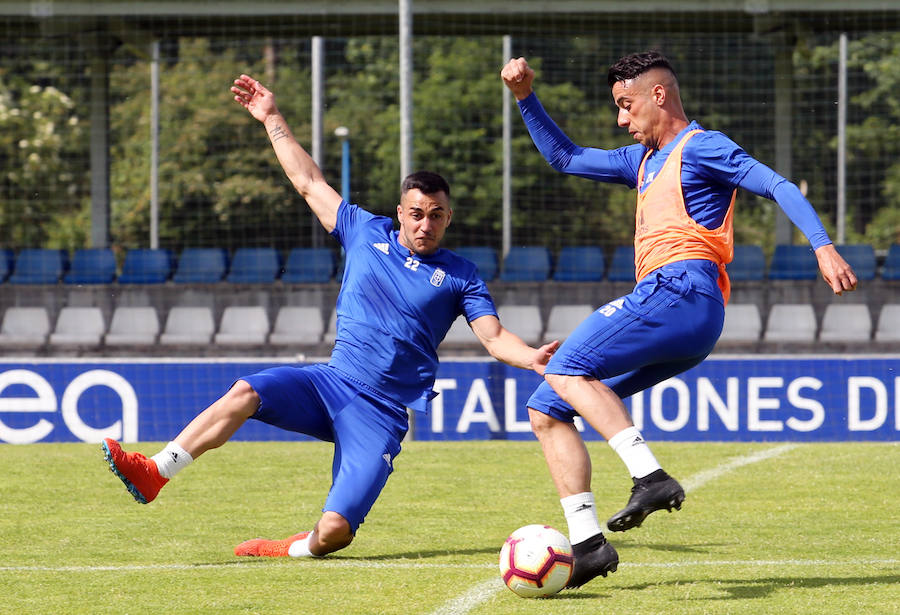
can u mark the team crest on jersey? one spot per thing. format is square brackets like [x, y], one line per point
[381, 247]
[437, 278]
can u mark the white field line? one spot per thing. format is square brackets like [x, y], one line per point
[460, 607]
[243, 567]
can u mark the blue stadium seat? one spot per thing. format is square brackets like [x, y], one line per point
[201, 266]
[748, 265]
[254, 266]
[891, 269]
[92, 266]
[791, 262]
[40, 266]
[861, 257]
[526, 264]
[621, 268]
[484, 257]
[309, 266]
[580, 264]
[7, 263]
[146, 266]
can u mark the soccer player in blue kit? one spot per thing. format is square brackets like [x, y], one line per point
[399, 296]
[687, 178]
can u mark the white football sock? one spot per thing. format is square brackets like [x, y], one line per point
[300, 548]
[581, 515]
[635, 452]
[171, 460]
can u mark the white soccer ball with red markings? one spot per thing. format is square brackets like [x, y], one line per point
[536, 561]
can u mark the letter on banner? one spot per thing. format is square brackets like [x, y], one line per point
[436, 408]
[125, 429]
[44, 402]
[804, 403]
[478, 396]
[756, 403]
[855, 422]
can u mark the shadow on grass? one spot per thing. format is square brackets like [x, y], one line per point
[421, 554]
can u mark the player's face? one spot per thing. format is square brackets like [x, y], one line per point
[638, 110]
[424, 219]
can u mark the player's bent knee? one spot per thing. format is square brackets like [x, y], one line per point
[243, 398]
[333, 532]
[540, 422]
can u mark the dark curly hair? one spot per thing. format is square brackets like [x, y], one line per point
[426, 182]
[637, 64]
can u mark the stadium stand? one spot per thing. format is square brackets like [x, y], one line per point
[92, 266]
[309, 266]
[748, 265]
[133, 325]
[790, 262]
[563, 319]
[891, 269]
[146, 266]
[7, 263]
[791, 322]
[888, 328]
[243, 326]
[331, 331]
[39, 266]
[846, 322]
[523, 320]
[188, 325]
[254, 266]
[460, 333]
[743, 323]
[78, 326]
[484, 257]
[24, 327]
[297, 326]
[862, 258]
[580, 264]
[621, 267]
[201, 266]
[526, 264]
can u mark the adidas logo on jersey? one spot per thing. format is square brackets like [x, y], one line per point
[381, 247]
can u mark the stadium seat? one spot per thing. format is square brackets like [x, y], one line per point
[146, 266]
[132, 325]
[846, 322]
[888, 328]
[580, 264]
[297, 325]
[862, 258]
[564, 318]
[621, 268]
[243, 326]
[24, 327]
[40, 266]
[526, 264]
[201, 266]
[331, 331]
[309, 266]
[742, 323]
[484, 257]
[791, 262]
[92, 266]
[254, 266]
[523, 320]
[188, 325]
[461, 333]
[891, 270]
[78, 326]
[748, 265]
[7, 263]
[791, 322]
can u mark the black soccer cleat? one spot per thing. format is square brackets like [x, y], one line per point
[593, 557]
[648, 495]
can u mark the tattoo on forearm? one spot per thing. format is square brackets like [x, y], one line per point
[278, 133]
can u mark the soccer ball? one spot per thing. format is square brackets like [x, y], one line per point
[536, 561]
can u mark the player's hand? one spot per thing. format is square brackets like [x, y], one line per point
[837, 273]
[254, 97]
[518, 77]
[543, 356]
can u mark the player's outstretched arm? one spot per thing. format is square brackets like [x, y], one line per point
[506, 346]
[298, 165]
[837, 272]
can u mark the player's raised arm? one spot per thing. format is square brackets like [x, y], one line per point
[518, 77]
[298, 165]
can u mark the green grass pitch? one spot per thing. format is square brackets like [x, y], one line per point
[812, 529]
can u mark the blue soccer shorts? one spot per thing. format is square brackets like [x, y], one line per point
[669, 323]
[366, 428]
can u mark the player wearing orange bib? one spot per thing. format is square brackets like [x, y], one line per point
[686, 179]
